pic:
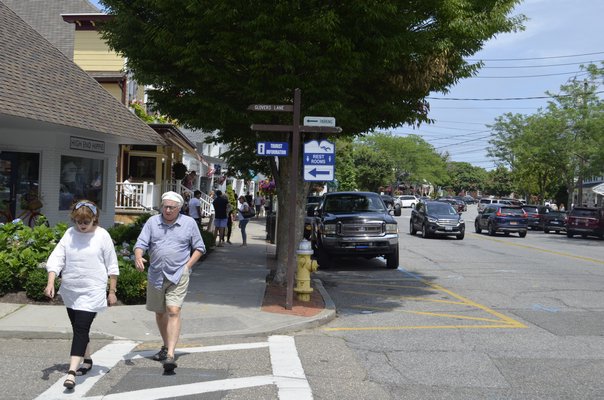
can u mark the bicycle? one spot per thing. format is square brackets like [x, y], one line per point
[30, 217]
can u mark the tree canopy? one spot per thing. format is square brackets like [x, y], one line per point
[370, 63]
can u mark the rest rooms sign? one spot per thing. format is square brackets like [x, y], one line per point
[319, 160]
[78, 143]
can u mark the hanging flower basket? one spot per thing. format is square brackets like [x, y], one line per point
[180, 170]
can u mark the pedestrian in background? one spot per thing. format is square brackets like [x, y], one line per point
[195, 207]
[220, 204]
[242, 211]
[230, 217]
[174, 245]
[85, 258]
[258, 203]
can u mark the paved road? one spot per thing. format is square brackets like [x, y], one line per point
[483, 318]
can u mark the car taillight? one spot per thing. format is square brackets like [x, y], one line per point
[525, 215]
[498, 213]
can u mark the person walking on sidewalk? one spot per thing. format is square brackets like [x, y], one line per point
[258, 203]
[174, 245]
[195, 207]
[243, 217]
[220, 204]
[84, 257]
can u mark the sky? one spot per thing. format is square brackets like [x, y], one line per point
[557, 32]
[559, 35]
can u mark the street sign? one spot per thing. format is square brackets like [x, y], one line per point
[272, 149]
[319, 161]
[319, 121]
[271, 107]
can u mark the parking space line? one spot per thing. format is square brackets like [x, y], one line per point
[414, 298]
[500, 321]
[446, 315]
[525, 246]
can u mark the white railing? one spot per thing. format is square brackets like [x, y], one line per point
[141, 196]
[147, 196]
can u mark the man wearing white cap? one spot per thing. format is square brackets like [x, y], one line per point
[174, 245]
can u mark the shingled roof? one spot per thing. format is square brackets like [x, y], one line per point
[38, 82]
[45, 17]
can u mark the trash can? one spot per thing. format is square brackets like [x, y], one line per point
[271, 225]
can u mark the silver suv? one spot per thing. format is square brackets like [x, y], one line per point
[483, 203]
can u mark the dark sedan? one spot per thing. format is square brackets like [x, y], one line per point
[554, 221]
[501, 218]
[535, 215]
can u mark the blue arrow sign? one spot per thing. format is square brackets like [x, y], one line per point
[314, 172]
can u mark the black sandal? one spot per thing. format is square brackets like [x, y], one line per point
[69, 382]
[84, 370]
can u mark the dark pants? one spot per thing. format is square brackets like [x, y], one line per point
[80, 323]
[229, 228]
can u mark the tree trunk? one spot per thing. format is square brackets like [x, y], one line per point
[283, 218]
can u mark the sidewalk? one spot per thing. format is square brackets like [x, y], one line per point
[225, 298]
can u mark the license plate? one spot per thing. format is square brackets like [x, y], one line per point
[513, 223]
[448, 228]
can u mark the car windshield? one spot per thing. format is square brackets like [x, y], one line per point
[353, 203]
[585, 213]
[531, 209]
[440, 209]
[511, 211]
[556, 214]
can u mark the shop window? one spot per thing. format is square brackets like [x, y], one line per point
[81, 178]
[142, 168]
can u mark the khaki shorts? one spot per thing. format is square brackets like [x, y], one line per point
[169, 294]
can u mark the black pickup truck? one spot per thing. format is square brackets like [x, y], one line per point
[355, 224]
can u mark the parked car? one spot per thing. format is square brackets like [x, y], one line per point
[390, 203]
[469, 199]
[434, 218]
[482, 203]
[355, 224]
[502, 218]
[585, 221]
[535, 215]
[408, 200]
[553, 221]
[312, 203]
[458, 205]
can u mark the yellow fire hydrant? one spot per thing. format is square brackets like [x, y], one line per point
[305, 267]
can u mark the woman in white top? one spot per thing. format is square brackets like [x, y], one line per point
[84, 258]
[242, 208]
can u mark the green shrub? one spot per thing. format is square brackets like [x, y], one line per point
[35, 283]
[131, 285]
[208, 240]
[128, 232]
[22, 249]
[7, 281]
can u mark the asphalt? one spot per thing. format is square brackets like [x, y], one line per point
[225, 299]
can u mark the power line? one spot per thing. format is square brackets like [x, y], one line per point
[535, 58]
[526, 76]
[503, 98]
[542, 66]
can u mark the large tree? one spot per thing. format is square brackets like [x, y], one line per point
[368, 63]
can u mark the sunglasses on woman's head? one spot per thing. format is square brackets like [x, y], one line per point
[90, 206]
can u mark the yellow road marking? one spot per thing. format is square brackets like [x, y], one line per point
[394, 328]
[386, 285]
[493, 323]
[454, 316]
[526, 246]
[403, 297]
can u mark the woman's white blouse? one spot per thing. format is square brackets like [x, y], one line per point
[84, 260]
